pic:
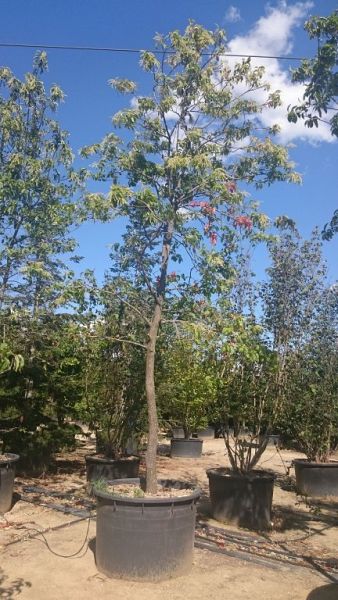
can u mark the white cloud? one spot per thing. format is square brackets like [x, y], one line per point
[273, 35]
[232, 14]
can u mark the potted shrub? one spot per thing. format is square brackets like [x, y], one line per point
[301, 315]
[175, 186]
[242, 494]
[113, 399]
[8, 361]
[313, 402]
[185, 390]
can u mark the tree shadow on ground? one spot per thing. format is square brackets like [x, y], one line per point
[286, 483]
[163, 450]
[11, 589]
[67, 467]
[286, 518]
[324, 592]
[311, 513]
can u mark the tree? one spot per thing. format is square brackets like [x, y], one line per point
[185, 388]
[299, 316]
[320, 77]
[312, 403]
[175, 177]
[113, 375]
[37, 213]
[37, 185]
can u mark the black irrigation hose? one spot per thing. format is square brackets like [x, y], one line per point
[76, 512]
[204, 545]
[284, 557]
[56, 528]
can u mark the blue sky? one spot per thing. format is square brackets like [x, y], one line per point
[252, 27]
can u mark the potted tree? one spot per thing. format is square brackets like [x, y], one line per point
[313, 401]
[113, 400]
[8, 361]
[175, 185]
[185, 390]
[242, 494]
[301, 316]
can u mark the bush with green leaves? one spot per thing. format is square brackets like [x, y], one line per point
[246, 406]
[312, 406]
[113, 401]
[186, 387]
[300, 314]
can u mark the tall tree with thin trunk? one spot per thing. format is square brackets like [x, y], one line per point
[37, 186]
[175, 176]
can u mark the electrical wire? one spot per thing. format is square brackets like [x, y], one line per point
[137, 51]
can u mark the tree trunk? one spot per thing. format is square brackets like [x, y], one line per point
[151, 402]
[151, 485]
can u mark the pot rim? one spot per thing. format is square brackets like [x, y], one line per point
[253, 475]
[151, 501]
[311, 464]
[97, 459]
[194, 440]
[10, 458]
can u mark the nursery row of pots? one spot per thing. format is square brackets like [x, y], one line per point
[153, 537]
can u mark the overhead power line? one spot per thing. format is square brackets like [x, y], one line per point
[136, 50]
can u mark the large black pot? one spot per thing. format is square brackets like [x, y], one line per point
[316, 479]
[178, 432]
[108, 468]
[191, 448]
[145, 538]
[273, 440]
[7, 474]
[245, 500]
[208, 433]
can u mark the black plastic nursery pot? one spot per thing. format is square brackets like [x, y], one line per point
[191, 448]
[178, 432]
[98, 467]
[7, 474]
[273, 440]
[145, 538]
[244, 500]
[316, 479]
[208, 433]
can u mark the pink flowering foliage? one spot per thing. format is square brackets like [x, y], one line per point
[243, 221]
[213, 238]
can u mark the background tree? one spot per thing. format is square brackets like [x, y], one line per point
[294, 298]
[175, 178]
[185, 383]
[312, 392]
[320, 77]
[37, 213]
[37, 186]
[112, 400]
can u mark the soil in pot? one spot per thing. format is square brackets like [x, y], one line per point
[145, 538]
[101, 467]
[319, 480]
[191, 448]
[7, 474]
[244, 500]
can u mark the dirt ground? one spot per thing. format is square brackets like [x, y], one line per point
[31, 567]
